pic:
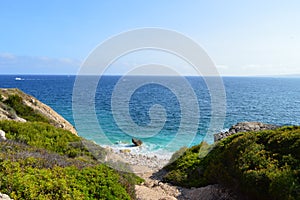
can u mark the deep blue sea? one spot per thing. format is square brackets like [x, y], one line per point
[268, 100]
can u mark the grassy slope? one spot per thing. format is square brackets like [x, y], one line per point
[262, 165]
[44, 162]
[15, 105]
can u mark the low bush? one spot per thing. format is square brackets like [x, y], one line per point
[262, 165]
[40, 161]
[24, 111]
[45, 136]
[97, 182]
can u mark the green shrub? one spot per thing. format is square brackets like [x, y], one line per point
[40, 161]
[98, 182]
[185, 170]
[24, 111]
[262, 165]
[45, 136]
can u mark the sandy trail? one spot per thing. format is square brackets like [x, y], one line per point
[150, 169]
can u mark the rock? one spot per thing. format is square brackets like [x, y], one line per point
[244, 127]
[125, 151]
[210, 192]
[137, 142]
[2, 135]
[4, 197]
[19, 119]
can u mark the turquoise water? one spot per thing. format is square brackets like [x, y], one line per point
[269, 100]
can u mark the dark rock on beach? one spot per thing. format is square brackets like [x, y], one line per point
[244, 127]
[137, 142]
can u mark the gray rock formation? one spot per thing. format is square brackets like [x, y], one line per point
[2, 136]
[7, 113]
[244, 127]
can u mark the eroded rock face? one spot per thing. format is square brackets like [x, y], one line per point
[244, 127]
[55, 119]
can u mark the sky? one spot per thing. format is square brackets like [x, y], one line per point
[243, 38]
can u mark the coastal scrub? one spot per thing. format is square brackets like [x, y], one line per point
[40, 161]
[260, 165]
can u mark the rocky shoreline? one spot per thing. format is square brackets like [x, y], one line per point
[244, 127]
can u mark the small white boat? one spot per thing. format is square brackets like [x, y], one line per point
[18, 79]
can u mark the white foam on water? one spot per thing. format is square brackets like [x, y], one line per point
[224, 130]
[146, 149]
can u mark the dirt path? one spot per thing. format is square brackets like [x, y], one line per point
[150, 169]
[154, 189]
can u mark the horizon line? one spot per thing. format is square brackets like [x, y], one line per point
[155, 75]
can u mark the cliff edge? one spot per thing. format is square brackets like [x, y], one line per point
[8, 112]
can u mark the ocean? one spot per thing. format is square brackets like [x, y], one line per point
[155, 114]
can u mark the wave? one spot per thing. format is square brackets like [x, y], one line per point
[147, 149]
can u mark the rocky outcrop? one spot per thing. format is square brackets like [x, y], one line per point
[4, 197]
[244, 127]
[55, 119]
[137, 142]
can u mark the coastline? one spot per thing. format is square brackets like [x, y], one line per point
[138, 162]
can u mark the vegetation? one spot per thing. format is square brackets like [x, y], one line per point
[260, 165]
[44, 136]
[39, 161]
[97, 182]
[16, 103]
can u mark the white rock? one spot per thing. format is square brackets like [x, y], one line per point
[4, 197]
[2, 135]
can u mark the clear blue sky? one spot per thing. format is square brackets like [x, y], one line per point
[242, 37]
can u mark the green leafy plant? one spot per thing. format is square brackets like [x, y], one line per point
[262, 165]
[45, 136]
[97, 182]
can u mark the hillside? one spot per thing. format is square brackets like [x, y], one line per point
[18, 106]
[40, 158]
[255, 165]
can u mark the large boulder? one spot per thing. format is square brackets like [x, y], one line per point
[244, 127]
[137, 142]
